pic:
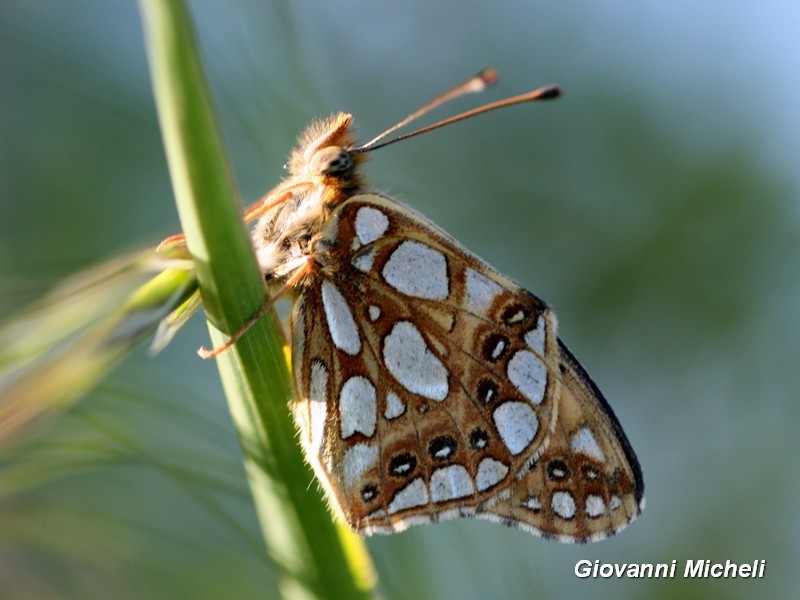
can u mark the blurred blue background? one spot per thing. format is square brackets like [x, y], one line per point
[655, 206]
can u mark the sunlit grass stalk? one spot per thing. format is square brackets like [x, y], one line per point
[314, 557]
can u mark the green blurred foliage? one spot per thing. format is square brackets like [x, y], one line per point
[654, 206]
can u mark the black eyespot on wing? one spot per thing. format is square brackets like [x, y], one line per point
[515, 314]
[478, 439]
[403, 464]
[369, 493]
[487, 390]
[442, 447]
[494, 347]
[557, 470]
[590, 472]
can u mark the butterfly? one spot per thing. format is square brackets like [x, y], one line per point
[428, 385]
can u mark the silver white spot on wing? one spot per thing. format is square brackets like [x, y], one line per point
[450, 482]
[443, 451]
[394, 406]
[298, 334]
[415, 367]
[563, 504]
[536, 336]
[517, 317]
[357, 407]
[414, 494]
[595, 506]
[374, 312]
[363, 260]
[498, 349]
[417, 270]
[341, 324]
[357, 461]
[584, 442]
[371, 224]
[615, 502]
[377, 514]
[517, 424]
[490, 472]
[318, 404]
[481, 291]
[528, 374]
[533, 503]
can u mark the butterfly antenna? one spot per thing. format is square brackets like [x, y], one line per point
[481, 81]
[478, 83]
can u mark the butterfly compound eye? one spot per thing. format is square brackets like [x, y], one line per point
[331, 160]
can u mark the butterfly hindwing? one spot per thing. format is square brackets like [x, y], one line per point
[587, 485]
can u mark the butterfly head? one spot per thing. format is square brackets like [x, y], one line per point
[323, 155]
[323, 172]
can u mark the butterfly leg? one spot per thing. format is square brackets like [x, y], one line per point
[254, 211]
[290, 284]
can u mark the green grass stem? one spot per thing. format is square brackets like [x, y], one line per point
[314, 557]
